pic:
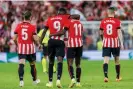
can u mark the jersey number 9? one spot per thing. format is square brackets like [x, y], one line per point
[57, 25]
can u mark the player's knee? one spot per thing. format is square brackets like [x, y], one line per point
[78, 66]
[32, 63]
[60, 59]
[22, 61]
[51, 60]
[106, 59]
[70, 63]
[117, 60]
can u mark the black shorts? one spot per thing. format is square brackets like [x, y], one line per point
[74, 52]
[28, 57]
[108, 51]
[45, 50]
[56, 48]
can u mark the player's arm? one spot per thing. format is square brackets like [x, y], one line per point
[60, 33]
[16, 34]
[43, 34]
[120, 35]
[15, 38]
[101, 30]
[36, 39]
[101, 33]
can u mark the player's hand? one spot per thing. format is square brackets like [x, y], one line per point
[50, 36]
[40, 47]
[122, 47]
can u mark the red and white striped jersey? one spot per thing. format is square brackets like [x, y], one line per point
[56, 24]
[25, 32]
[111, 42]
[75, 29]
[110, 28]
[26, 48]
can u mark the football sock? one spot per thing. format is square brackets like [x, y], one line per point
[78, 74]
[59, 74]
[50, 72]
[21, 71]
[44, 64]
[33, 72]
[117, 67]
[105, 70]
[71, 71]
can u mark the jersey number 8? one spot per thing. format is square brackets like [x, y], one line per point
[109, 29]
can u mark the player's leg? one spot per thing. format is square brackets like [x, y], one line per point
[44, 59]
[70, 58]
[51, 55]
[106, 54]
[116, 53]
[21, 68]
[60, 53]
[32, 60]
[78, 63]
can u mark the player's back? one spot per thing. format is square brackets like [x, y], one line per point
[56, 24]
[110, 28]
[74, 33]
[76, 29]
[25, 32]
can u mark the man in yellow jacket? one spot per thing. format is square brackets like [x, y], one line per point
[45, 50]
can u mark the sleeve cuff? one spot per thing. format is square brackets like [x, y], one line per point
[101, 29]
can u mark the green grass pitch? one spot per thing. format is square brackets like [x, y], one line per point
[92, 76]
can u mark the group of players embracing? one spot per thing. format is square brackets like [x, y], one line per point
[26, 39]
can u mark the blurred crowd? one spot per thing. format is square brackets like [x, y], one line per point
[11, 15]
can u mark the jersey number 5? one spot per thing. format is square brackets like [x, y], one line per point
[109, 29]
[24, 34]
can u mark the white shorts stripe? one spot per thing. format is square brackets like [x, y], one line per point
[105, 43]
[31, 46]
[80, 42]
[19, 48]
[34, 48]
[23, 48]
[108, 42]
[68, 44]
[27, 49]
[76, 41]
[72, 43]
[115, 42]
[112, 42]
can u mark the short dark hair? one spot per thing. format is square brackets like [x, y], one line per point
[112, 8]
[27, 15]
[75, 16]
[62, 11]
